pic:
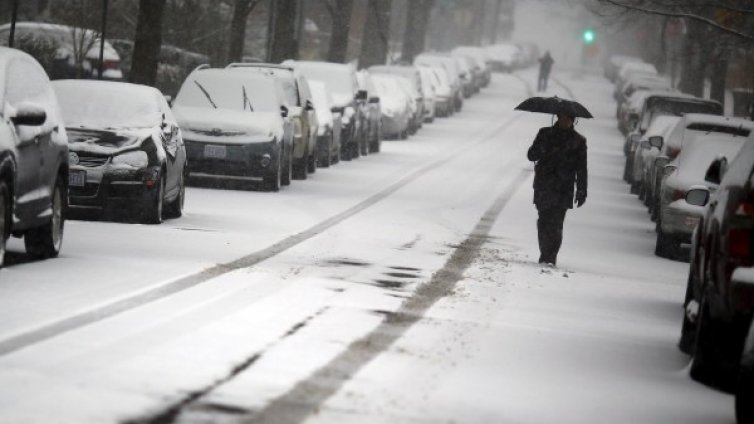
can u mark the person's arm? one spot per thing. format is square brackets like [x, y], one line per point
[581, 175]
[536, 151]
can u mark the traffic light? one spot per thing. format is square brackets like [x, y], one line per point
[588, 36]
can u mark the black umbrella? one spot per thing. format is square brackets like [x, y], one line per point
[554, 105]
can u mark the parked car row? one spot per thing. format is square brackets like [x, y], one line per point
[76, 147]
[694, 170]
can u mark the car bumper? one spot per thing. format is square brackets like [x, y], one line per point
[680, 219]
[394, 125]
[241, 161]
[106, 188]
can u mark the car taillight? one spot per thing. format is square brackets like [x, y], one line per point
[741, 232]
[739, 242]
[679, 194]
[745, 209]
[673, 152]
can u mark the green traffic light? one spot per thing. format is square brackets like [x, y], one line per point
[588, 36]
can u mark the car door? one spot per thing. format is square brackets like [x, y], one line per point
[26, 84]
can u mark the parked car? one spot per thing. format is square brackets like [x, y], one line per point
[744, 276]
[429, 90]
[719, 301]
[65, 51]
[639, 83]
[450, 66]
[662, 103]
[373, 115]
[396, 114]
[413, 84]
[33, 158]
[677, 219]
[235, 127]
[298, 100]
[646, 152]
[469, 86]
[126, 150]
[328, 131]
[614, 64]
[503, 57]
[480, 59]
[444, 98]
[341, 82]
[690, 126]
[629, 69]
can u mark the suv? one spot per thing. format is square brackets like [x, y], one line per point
[33, 158]
[298, 99]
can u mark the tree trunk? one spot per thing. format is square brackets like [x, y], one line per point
[495, 21]
[719, 73]
[478, 22]
[341, 27]
[375, 42]
[147, 42]
[241, 11]
[284, 31]
[415, 34]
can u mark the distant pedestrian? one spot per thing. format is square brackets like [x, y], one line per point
[545, 66]
[560, 156]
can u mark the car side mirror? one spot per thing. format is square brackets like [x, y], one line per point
[361, 95]
[656, 141]
[374, 100]
[29, 115]
[284, 111]
[309, 105]
[697, 196]
[716, 170]
[337, 109]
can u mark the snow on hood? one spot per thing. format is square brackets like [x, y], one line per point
[695, 159]
[341, 99]
[107, 142]
[230, 126]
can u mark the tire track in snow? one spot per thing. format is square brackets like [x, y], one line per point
[309, 395]
[49, 331]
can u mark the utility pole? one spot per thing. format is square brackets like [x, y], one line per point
[102, 40]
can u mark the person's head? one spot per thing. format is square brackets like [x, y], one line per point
[565, 121]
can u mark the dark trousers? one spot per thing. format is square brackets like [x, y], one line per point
[550, 233]
[542, 81]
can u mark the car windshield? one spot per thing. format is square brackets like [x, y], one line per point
[225, 92]
[678, 107]
[284, 76]
[95, 105]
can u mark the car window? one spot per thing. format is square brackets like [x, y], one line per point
[27, 82]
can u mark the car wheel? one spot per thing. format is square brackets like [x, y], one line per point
[312, 164]
[364, 145]
[273, 180]
[326, 159]
[175, 208]
[714, 361]
[5, 208]
[336, 156]
[666, 246]
[299, 168]
[287, 174]
[45, 242]
[355, 151]
[153, 213]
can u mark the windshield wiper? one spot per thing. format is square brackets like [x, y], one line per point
[246, 99]
[206, 94]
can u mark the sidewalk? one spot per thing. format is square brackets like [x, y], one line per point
[593, 341]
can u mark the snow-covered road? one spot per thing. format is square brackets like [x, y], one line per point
[399, 287]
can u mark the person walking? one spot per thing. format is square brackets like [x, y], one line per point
[560, 156]
[545, 66]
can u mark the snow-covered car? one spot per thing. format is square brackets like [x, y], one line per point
[125, 150]
[629, 69]
[450, 66]
[480, 60]
[65, 51]
[298, 100]
[639, 83]
[467, 77]
[503, 57]
[412, 75]
[614, 64]
[647, 151]
[429, 90]
[373, 115]
[663, 103]
[235, 127]
[413, 105]
[396, 113]
[529, 53]
[443, 92]
[690, 126]
[341, 81]
[719, 300]
[328, 131]
[676, 217]
[33, 158]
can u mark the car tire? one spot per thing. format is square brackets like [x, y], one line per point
[153, 212]
[175, 208]
[287, 174]
[311, 165]
[666, 245]
[687, 342]
[326, 159]
[274, 180]
[714, 362]
[46, 241]
[355, 150]
[300, 168]
[5, 209]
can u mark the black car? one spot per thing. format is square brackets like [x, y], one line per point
[718, 307]
[126, 150]
[33, 158]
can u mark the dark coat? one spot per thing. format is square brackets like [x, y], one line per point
[560, 157]
[545, 64]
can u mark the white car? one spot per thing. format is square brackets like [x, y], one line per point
[328, 133]
[429, 92]
[395, 104]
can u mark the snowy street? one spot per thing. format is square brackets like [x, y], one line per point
[399, 287]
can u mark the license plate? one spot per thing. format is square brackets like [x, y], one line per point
[215, 152]
[77, 178]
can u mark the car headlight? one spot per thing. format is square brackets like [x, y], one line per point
[135, 159]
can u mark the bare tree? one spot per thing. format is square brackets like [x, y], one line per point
[375, 42]
[415, 35]
[340, 15]
[283, 45]
[147, 42]
[241, 11]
